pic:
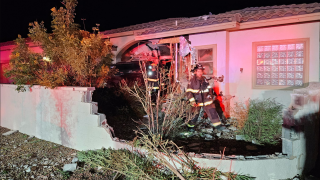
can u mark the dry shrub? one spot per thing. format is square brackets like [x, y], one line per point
[167, 109]
[240, 113]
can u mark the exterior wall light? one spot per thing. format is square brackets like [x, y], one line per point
[46, 58]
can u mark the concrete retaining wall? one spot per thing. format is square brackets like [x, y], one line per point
[67, 116]
[64, 115]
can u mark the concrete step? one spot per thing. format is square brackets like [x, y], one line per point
[88, 108]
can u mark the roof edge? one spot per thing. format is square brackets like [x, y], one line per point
[280, 21]
[215, 27]
[234, 26]
[126, 33]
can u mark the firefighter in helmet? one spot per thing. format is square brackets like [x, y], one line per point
[153, 75]
[200, 94]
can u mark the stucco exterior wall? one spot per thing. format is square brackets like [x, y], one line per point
[220, 39]
[234, 51]
[123, 43]
[64, 115]
[241, 57]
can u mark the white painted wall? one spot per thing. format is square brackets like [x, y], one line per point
[121, 42]
[218, 38]
[59, 115]
[240, 56]
[264, 169]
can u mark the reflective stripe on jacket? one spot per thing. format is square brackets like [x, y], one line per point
[200, 91]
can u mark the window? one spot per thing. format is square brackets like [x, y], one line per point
[207, 57]
[280, 64]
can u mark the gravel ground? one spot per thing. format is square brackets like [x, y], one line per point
[25, 157]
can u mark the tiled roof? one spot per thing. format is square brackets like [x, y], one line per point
[270, 12]
[243, 15]
[143, 25]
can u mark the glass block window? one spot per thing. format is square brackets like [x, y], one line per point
[280, 64]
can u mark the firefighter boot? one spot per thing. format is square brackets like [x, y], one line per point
[190, 126]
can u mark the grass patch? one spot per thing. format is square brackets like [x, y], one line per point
[65, 174]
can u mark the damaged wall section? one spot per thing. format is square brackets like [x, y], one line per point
[64, 115]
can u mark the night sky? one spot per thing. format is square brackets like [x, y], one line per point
[15, 15]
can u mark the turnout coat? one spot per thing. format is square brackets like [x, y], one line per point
[200, 91]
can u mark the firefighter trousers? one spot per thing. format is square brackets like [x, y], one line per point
[211, 112]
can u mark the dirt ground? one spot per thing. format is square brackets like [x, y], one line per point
[24, 157]
[214, 146]
[120, 113]
[124, 129]
[232, 147]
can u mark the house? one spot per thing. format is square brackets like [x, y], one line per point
[263, 52]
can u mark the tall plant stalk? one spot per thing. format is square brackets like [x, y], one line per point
[170, 103]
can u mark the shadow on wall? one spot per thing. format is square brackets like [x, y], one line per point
[65, 140]
[120, 110]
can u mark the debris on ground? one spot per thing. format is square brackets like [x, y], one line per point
[27, 157]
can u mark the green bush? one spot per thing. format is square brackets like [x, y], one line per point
[70, 56]
[264, 121]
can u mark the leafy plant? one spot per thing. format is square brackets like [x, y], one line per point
[70, 56]
[264, 121]
[35, 141]
[4, 172]
[65, 174]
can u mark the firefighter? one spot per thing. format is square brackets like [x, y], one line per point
[153, 75]
[153, 80]
[200, 94]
